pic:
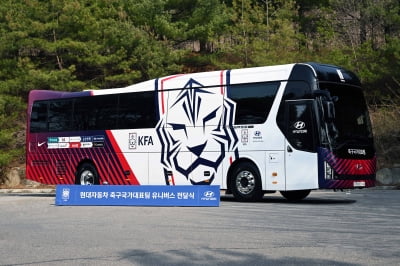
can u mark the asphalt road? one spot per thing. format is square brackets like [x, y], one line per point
[328, 228]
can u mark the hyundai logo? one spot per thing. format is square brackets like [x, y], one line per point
[299, 125]
[209, 194]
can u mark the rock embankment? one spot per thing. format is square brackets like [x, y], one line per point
[389, 176]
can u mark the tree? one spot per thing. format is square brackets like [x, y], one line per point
[11, 131]
[256, 37]
[76, 44]
[200, 20]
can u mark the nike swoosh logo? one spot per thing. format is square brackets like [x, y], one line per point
[41, 144]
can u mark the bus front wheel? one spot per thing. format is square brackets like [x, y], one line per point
[87, 175]
[245, 182]
[295, 195]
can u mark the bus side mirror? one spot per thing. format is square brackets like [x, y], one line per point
[321, 93]
[329, 110]
[328, 103]
[325, 94]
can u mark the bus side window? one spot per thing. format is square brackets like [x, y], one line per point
[105, 112]
[253, 101]
[300, 125]
[95, 112]
[60, 115]
[81, 114]
[137, 110]
[39, 117]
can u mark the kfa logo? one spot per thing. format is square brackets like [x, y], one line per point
[135, 141]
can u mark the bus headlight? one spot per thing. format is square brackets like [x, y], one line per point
[328, 171]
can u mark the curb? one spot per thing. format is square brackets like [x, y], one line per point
[386, 187]
[27, 191]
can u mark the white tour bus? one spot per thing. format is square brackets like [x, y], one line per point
[289, 128]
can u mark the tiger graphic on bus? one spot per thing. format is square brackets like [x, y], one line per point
[196, 133]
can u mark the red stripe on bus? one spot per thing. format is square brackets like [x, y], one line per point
[162, 91]
[173, 180]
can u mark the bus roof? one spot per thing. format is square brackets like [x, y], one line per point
[331, 73]
[298, 71]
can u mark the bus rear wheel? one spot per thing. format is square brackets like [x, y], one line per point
[245, 182]
[87, 175]
[295, 195]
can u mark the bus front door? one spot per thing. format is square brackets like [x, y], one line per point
[301, 158]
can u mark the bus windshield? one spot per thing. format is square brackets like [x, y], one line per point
[352, 119]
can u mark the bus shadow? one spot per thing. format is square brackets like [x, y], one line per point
[307, 201]
[276, 199]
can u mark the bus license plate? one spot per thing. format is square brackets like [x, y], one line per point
[359, 184]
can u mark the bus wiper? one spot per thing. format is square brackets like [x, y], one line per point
[351, 139]
[359, 137]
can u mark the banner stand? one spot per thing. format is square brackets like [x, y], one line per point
[125, 195]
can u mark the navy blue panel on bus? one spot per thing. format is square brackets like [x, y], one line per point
[330, 73]
[301, 82]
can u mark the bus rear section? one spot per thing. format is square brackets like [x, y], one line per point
[69, 139]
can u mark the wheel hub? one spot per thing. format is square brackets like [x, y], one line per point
[87, 178]
[245, 182]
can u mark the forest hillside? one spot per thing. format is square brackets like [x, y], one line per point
[72, 45]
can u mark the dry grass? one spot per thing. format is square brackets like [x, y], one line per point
[386, 127]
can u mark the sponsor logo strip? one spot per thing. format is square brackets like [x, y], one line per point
[75, 142]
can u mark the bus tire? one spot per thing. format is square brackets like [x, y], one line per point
[245, 182]
[87, 175]
[295, 195]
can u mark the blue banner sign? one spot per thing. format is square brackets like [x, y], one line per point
[108, 195]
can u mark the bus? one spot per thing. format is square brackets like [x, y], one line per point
[289, 128]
